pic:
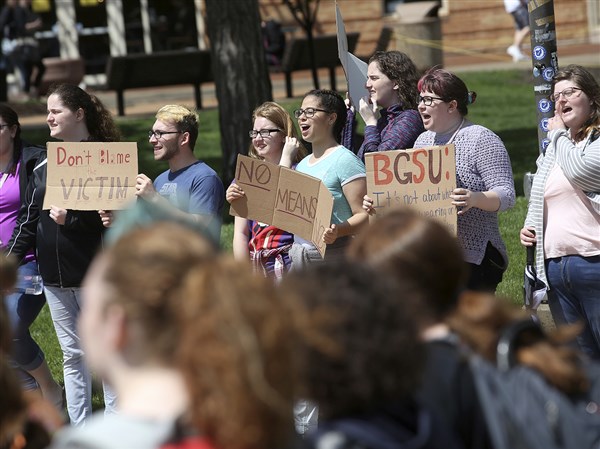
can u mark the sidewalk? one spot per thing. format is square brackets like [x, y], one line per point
[145, 102]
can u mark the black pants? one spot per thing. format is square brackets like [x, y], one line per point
[486, 276]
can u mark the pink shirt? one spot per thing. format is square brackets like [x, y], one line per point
[570, 222]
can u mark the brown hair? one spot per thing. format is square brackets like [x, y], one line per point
[145, 269]
[98, 119]
[588, 84]
[11, 119]
[235, 355]
[282, 120]
[400, 69]
[402, 242]
[447, 86]
[480, 318]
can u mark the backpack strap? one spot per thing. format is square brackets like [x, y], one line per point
[508, 341]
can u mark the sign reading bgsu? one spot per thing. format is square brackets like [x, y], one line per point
[91, 175]
[281, 197]
[422, 178]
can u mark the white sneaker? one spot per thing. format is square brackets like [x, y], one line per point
[516, 54]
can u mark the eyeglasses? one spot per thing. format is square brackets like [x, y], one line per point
[159, 134]
[264, 133]
[566, 93]
[308, 112]
[428, 101]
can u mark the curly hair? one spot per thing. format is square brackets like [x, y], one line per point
[235, 355]
[588, 84]
[403, 242]
[98, 120]
[282, 120]
[144, 269]
[358, 345]
[185, 120]
[479, 319]
[333, 103]
[400, 69]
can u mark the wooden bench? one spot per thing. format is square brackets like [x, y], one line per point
[158, 69]
[59, 70]
[297, 57]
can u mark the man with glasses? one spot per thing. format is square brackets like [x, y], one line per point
[189, 184]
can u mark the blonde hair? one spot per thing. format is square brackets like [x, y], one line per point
[184, 119]
[282, 120]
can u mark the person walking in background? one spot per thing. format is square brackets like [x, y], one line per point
[17, 161]
[66, 241]
[275, 140]
[190, 186]
[392, 86]
[26, 54]
[518, 10]
[563, 218]
[321, 119]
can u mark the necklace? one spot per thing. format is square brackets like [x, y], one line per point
[456, 132]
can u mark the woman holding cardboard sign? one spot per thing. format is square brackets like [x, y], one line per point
[274, 139]
[484, 178]
[66, 240]
[321, 118]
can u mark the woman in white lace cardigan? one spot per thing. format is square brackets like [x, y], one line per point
[563, 219]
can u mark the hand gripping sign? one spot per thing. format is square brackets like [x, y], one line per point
[285, 198]
[421, 178]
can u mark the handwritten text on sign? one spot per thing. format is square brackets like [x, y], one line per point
[91, 175]
[284, 198]
[423, 178]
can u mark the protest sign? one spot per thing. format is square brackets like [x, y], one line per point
[91, 175]
[354, 68]
[422, 178]
[284, 198]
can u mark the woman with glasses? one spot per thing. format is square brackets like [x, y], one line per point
[392, 86]
[321, 119]
[484, 179]
[563, 220]
[275, 140]
[17, 161]
[66, 240]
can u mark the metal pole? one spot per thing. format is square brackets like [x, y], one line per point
[67, 29]
[545, 62]
[146, 26]
[116, 28]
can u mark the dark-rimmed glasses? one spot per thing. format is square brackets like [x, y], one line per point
[566, 93]
[428, 101]
[264, 133]
[308, 112]
[158, 134]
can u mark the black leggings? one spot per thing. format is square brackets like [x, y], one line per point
[486, 276]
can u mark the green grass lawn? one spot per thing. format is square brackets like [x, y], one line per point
[505, 104]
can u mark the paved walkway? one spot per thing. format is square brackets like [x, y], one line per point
[145, 102]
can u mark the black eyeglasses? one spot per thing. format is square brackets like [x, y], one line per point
[264, 133]
[308, 112]
[566, 93]
[428, 101]
[159, 134]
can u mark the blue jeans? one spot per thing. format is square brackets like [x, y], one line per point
[22, 310]
[65, 306]
[574, 296]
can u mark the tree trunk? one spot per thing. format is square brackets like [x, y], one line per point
[240, 70]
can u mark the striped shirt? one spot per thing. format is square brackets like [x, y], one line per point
[580, 164]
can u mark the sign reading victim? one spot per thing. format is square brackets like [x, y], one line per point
[422, 178]
[283, 198]
[91, 175]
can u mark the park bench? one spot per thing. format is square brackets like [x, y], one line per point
[297, 57]
[59, 70]
[158, 69]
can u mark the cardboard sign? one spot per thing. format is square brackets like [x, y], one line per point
[423, 178]
[91, 175]
[354, 68]
[287, 199]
